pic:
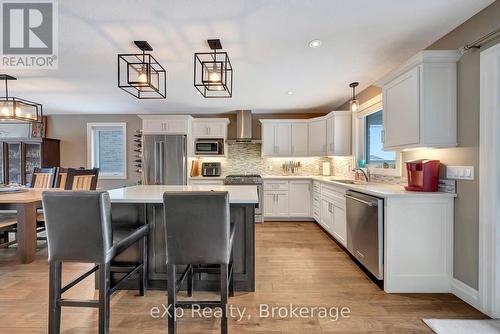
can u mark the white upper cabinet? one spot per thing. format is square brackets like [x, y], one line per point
[420, 102]
[328, 135]
[165, 124]
[276, 139]
[317, 138]
[299, 138]
[338, 133]
[210, 127]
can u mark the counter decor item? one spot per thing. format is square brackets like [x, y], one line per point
[291, 166]
[326, 168]
[195, 168]
[138, 151]
[423, 175]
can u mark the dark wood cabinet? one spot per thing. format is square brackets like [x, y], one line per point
[19, 158]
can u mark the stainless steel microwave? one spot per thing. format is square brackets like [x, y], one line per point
[209, 146]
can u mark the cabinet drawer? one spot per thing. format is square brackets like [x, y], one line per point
[335, 193]
[275, 185]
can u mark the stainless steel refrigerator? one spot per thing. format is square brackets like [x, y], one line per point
[164, 159]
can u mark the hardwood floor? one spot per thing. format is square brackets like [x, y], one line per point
[296, 263]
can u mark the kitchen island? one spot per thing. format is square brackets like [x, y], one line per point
[138, 205]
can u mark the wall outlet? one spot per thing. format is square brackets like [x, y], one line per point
[447, 186]
[460, 172]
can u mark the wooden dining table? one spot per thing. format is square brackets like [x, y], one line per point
[26, 204]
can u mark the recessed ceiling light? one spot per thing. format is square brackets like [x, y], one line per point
[315, 43]
[289, 92]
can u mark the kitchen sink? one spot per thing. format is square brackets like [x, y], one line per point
[344, 181]
[351, 182]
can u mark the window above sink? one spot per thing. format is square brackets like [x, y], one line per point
[368, 140]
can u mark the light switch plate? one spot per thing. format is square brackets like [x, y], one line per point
[460, 172]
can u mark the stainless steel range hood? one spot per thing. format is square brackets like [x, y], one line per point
[244, 128]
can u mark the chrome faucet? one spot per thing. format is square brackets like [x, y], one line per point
[365, 174]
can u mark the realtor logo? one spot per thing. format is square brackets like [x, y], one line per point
[29, 34]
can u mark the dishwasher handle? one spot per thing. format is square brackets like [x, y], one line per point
[373, 204]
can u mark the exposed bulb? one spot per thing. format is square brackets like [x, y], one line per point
[18, 111]
[5, 111]
[143, 77]
[354, 105]
[214, 76]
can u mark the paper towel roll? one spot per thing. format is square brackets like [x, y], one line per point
[326, 168]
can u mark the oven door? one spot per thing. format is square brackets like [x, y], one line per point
[212, 147]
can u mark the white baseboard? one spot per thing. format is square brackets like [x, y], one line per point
[465, 292]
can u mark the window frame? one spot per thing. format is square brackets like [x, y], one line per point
[91, 149]
[370, 107]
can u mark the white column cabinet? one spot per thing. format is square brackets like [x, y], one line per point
[317, 138]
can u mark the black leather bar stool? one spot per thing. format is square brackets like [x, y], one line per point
[79, 229]
[198, 232]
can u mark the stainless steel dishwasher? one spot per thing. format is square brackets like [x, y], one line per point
[365, 231]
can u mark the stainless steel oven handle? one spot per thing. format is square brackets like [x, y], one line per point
[361, 201]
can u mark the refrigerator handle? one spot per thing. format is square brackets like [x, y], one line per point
[162, 165]
[156, 162]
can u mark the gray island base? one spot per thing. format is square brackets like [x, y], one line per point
[144, 205]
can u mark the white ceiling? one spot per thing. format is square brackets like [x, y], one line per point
[267, 41]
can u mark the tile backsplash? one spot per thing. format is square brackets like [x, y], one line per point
[246, 158]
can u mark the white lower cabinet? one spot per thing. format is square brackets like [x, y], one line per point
[340, 223]
[299, 199]
[287, 199]
[332, 212]
[276, 204]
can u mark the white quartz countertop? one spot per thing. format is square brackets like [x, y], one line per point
[384, 190]
[154, 193]
[207, 178]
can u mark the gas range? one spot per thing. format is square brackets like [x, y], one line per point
[240, 179]
[249, 180]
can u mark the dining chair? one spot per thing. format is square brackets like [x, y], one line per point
[81, 179]
[43, 177]
[199, 234]
[60, 178]
[8, 224]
